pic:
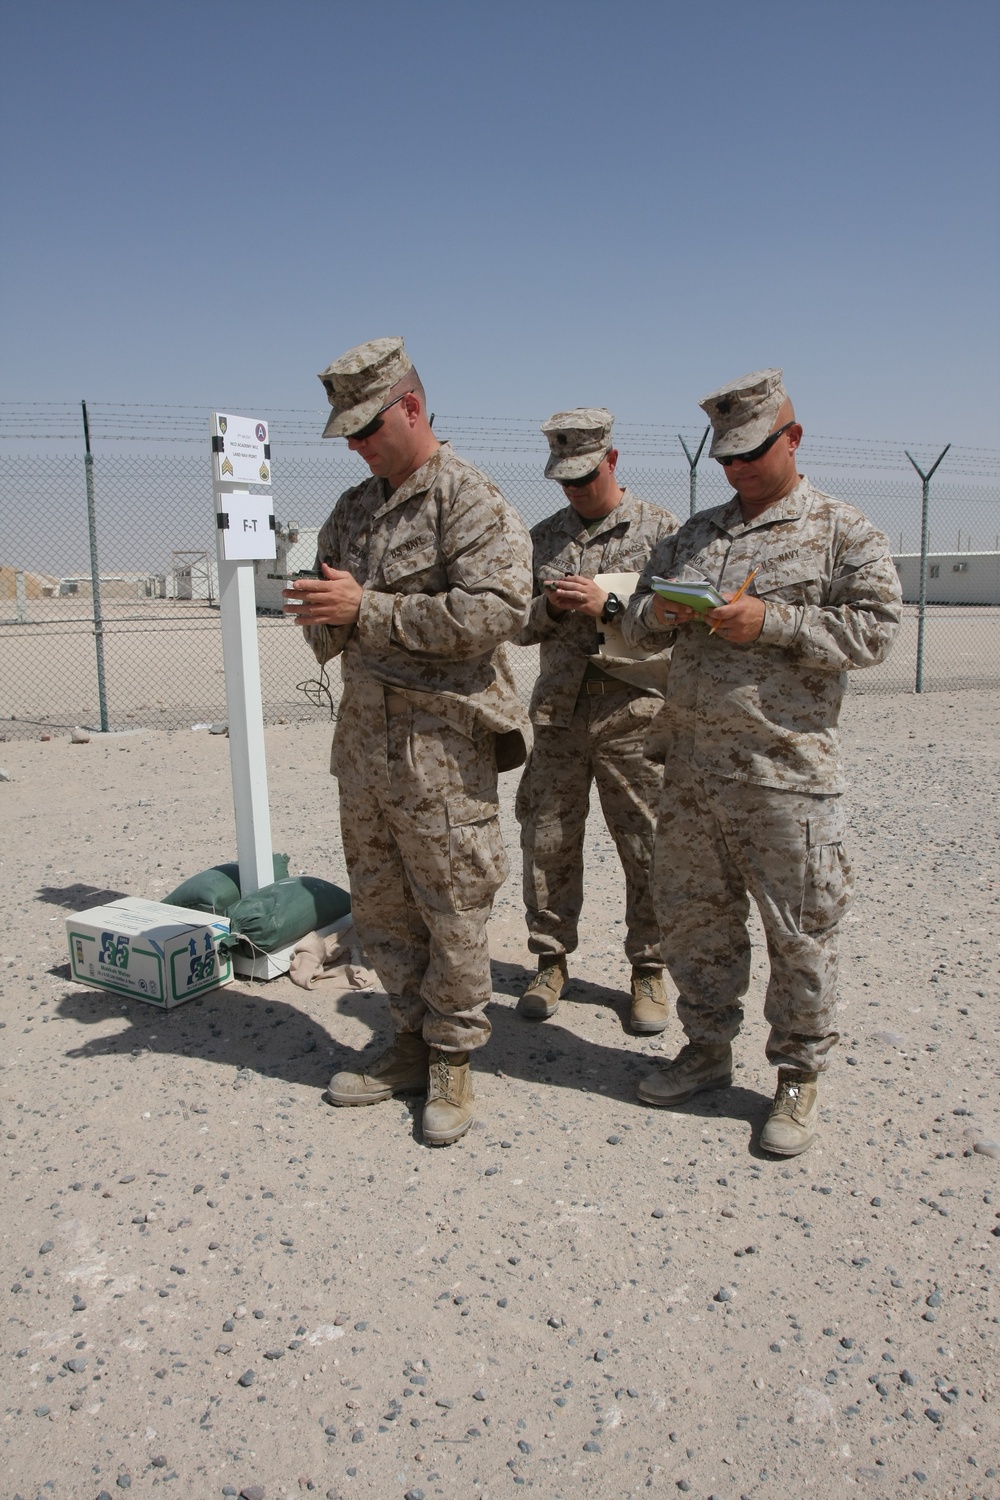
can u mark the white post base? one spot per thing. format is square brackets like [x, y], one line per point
[271, 965]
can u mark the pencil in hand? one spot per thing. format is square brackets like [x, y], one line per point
[748, 580]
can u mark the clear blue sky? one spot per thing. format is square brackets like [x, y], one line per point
[557, 204]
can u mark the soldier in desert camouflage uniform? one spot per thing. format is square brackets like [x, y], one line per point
[590, 714]
[425, 573]
[752, 752]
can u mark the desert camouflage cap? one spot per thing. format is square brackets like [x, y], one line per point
[358, 382]
[578, 440]
[742, 413]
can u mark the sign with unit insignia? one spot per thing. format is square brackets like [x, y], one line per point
[242, 451]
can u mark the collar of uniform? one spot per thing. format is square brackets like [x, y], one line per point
[574, 525]
[421, 479]
[789, 508]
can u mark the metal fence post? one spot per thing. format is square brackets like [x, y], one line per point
[693, 467]
[95, 575]
[925, 544]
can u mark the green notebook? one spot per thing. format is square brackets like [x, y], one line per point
[701, 596]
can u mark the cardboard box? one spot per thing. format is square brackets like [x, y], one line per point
[149, 951]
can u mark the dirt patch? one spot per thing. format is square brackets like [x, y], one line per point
[216, 1281]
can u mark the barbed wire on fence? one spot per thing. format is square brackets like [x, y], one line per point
[144, 422]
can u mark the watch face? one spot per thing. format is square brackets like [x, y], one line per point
[613, 605]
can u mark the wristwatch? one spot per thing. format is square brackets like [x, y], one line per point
[612, 607]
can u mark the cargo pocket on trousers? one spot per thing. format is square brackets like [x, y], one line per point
[829, 879]
[479, 864]
[659, 735]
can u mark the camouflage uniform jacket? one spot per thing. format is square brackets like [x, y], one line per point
[562, 545]
[767, 712]
[445, 566]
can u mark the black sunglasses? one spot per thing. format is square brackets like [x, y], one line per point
[755, 453]
[580, 484]
[376, 421]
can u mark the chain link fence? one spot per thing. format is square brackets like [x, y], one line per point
[156, 616]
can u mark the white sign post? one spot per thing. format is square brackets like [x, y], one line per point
[241, 455]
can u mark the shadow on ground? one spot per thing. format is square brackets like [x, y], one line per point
[77, 897]
[253, 1033]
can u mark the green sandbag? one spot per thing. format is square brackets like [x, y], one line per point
[217, 889]
[281, 913]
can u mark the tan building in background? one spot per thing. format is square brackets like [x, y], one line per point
[35, 585]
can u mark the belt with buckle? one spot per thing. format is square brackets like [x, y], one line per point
[596, 687]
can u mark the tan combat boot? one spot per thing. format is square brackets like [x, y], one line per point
[541, 998]
[449, 1110]
[650, 1011]
[697, 1067]
[791, 1126]
[402, 1069]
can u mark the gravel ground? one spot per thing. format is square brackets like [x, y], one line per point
[221, 1286]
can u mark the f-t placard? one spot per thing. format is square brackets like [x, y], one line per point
[248, 532]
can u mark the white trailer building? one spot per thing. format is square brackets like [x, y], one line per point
[952, 577]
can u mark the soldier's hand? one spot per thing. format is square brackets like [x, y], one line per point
[582, 595]
[738, 623]
[669, 613]
[334, 599]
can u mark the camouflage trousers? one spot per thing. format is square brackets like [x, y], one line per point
[418, 815]
[603, 743]
[718, 842]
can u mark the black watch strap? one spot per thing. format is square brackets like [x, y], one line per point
[612, 607]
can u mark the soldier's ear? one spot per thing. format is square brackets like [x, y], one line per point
[412, 405]
[612, 457]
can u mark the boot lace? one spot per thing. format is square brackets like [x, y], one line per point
[547, 978]
[690, 1056]
[441, 1076]
[787, 1097]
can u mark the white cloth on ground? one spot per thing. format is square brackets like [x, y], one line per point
[339, 957]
